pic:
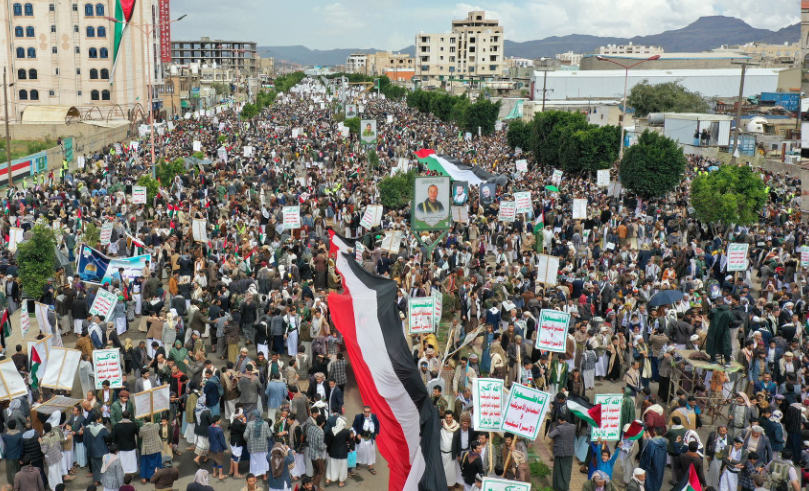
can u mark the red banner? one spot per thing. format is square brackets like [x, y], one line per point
[165, 31]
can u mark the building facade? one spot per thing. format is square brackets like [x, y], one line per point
[570, 58]
[767, 55]
[240, 56]
[380, 63]
[356, 62]
[60, 53]
[672, 61]
[630, 49]
[473, 50]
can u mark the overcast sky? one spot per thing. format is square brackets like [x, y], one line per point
[393, 24]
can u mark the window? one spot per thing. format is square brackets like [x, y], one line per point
[20, 52]
[99, 10]
[101, 32]
[21, 74]
[17, 9]
[32, 53]
[23, 95]
[94, 95]
[52, 8]
[75, 28]
[78, 71]
[53, 28]
[19, 32]
[79, 93]
[105, 74]
[29, 32]
[105, 95]
[32, 74]
[471, 40]
[57, 71]
[29, 9]
[103, 53]
[93, 74]
[34, 95]
[51, 92]
[471, 49]
[93, 53]
[492, 57]
[75, 9]
[88, 10]
[53, 50]
[91, 32]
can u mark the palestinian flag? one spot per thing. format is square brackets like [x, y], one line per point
[539, 223]
[36, 361]
[423, 154]
[140, 247]
[6, 324]
[689, 482]
[172, 209]
[123, 14]
[457, 170]
[366, 316]
[634, 432]
[584, 410]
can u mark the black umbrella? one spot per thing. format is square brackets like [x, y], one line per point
[666, 297]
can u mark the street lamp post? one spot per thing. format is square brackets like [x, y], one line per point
[148, 30]
[738, 123]
[626, 82]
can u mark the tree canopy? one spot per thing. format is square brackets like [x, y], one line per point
[653, 166]
[37, 258]
[732, 194]
[646, 98]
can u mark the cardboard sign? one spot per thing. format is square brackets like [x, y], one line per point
[63, 364]
[487, 397]
[292, 217]
[460, 214]
[199, 230]
[392, 241]
[139, 195]
[421, 311]
[197, 146]
[547, 269]
[508, 211]
[496, 484]
[523, 201]
[12, 384]
[610, 429]
[106, 233]
[107, 366]
[153, 401]
[603, 178]
[580, 209]
[103, 304]
[805, 256]
[552, 330]
[524, 411]
[737, 257]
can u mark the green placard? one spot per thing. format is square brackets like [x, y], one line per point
[68, 143]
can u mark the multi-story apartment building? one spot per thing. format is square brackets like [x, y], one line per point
[630, 49]
[60, 53]
[473, 50]
[356, 62]
[570, 58]
[240, 56]
[383, 61]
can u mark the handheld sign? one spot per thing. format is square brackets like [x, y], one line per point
[737, 257]
[525, 411]
[552, 330]
[421, 314]
[487, 397]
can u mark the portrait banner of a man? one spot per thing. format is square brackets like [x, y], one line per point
[431, 203]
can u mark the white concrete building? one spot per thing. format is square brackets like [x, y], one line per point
[356, 62]
[60, 53]
[473, 50]
[629, 49]
[569, 58]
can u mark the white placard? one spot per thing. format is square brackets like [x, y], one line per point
[392, 241]
[248, 151]
[222, 154]
[106, 233]
[197, 146]
[552, 330]
[524, 411]
[547, 269]
[103, 304]
[737, 257]
[139, 195]
[523, 200]
[579, 209]
[497, 484]
[372, 217]
[12, 384]
[805, 256]
[487, 397]
[438, 306]
[522, 165]
[107, 366]
[292, 217]
[508, 211]
[389, 118]
[603, 178]
[359, 249]
[153, 401]
[421, 314]
[199, 230]
[134, 145]
[25, 320]
[610, 429]
[15, 236]
[63, 364]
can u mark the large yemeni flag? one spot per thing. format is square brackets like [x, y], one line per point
[584, 410]
[36, 361]
[123, 14]
[338, 243]
[457, 170]
[389, 382]
[689, 482]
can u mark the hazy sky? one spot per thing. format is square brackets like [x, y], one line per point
[393, 24]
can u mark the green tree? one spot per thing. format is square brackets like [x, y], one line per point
[265, 98]
[37, 260]
[653, 166]
[152, 186]
[646, 98]
[221, 89]
[519, 135]
[91, 235]
[588, 149]
[546, 133]
[353, 124]
[459, 112]
[250, 111]
[732, 194]
[482, 114]
[167, 170]
[286, 82]
[441, 106]
[396, 192]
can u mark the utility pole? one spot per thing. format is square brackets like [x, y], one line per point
[744, 66]
[8, 137]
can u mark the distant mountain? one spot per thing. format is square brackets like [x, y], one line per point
[703, 34]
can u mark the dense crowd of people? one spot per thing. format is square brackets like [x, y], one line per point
[239, 326]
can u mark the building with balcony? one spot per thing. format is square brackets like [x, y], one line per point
[239, 56]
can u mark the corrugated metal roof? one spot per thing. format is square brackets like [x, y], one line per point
[721, 82]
